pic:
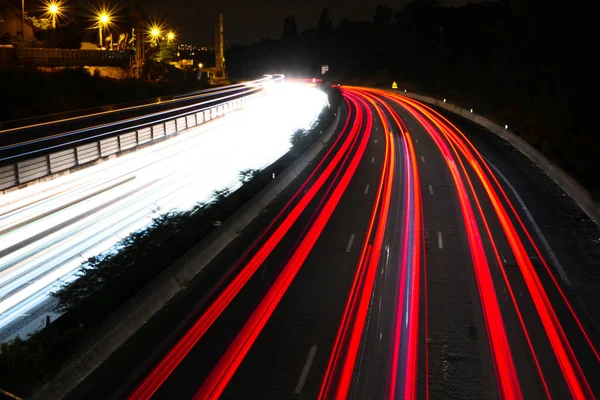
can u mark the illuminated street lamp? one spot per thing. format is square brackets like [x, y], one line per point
[103, 20]
[53, 9]
[170, 36]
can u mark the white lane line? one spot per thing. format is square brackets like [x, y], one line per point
[306, 369]
[416, 140]
[536, 228]
[375, 141]
[350, 243]
[440, 240]
[373, 160]
[430, 189]
[367, 189]
[422, 158]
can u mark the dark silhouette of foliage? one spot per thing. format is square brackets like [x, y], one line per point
[290, 29]
[525, 63]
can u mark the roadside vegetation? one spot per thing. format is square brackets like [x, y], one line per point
[108, 280]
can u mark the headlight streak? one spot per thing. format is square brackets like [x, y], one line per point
[188, 96]
[171, 175]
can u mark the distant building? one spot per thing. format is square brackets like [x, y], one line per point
[10, 22]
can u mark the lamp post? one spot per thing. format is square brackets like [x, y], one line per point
[103, 20]
[23, 21]
[170, 37]
[53, 11]
[155, 33]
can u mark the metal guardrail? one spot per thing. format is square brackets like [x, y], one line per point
[29, 170]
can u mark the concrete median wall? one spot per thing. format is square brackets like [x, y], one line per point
[122, 324]
[577, 192]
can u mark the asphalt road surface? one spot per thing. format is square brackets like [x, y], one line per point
[419, 257]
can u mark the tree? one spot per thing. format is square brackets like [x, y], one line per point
[165, 52]
[324, 27]
[247, 174]
[290, 29]
[383, 16]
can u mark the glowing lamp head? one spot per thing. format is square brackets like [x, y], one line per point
[53, 8]
[170, 36]
[155, 32]
[104, 18]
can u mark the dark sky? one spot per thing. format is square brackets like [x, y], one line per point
[250, 20]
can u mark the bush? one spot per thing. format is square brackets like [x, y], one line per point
[247, 174]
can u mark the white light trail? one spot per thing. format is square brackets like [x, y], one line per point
[47, 230]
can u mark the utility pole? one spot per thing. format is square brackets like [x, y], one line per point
[139, 37]
[219, 47]
[23, 21]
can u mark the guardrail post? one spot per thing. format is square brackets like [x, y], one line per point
[48, 162]
[17, 174]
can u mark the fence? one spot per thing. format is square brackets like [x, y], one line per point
[69, 57]
[32, 53]
[26, 171]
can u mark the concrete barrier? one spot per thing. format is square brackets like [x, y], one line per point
[123, 323]
[571, 187]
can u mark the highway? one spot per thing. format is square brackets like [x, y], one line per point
[36, 136]
[48, 230]
[418, 257]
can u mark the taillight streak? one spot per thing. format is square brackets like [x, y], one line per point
[501, 354]
[162, 371]
[403, 383]
[216, 382]
[340, 369]
[522, 225]
[572, 372]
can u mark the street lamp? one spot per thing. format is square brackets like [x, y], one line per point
[170, 36]
[53, 10]
[103, 20]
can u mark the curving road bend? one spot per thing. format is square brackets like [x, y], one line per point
[406, 263]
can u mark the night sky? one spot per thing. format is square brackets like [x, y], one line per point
[247, 21]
